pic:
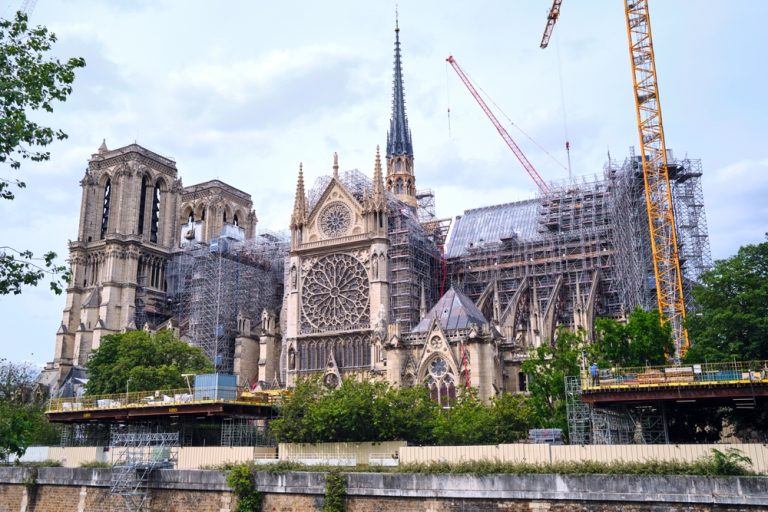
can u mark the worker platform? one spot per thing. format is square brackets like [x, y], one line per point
[635, 405]
[162, 403]
[742, 381]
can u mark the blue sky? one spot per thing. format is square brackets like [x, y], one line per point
[244, 91]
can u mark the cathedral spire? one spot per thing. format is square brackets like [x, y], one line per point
[300, 201]
[400, 179]
[399, 136]
[336, 165]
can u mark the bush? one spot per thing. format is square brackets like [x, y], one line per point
[47, 463]
[95, 464]
[335, 491]
[240, 479]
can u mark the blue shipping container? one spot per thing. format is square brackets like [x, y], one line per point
[215, 386]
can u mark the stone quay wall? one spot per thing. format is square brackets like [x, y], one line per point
[87, 490]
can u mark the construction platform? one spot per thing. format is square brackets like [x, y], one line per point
[175, 402]
[735, 381]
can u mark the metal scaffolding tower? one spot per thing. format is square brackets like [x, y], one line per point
[210, 285]
[135, 455]
[579, 414]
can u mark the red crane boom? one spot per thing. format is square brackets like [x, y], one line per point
[503, 132]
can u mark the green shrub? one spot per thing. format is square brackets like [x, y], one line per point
[240, 479]
[730, 462]
[335, 491]
[47, 463]
[95, 464]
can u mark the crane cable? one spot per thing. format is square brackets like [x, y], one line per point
[562, 106]
[558, 162]
[448, 98]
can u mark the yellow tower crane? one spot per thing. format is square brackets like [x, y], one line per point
[658, 192]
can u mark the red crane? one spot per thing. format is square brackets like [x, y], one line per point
[503, 132]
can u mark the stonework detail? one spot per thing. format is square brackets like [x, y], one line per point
[335, 294]
[335, 220]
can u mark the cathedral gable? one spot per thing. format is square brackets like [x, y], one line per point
[337, 214]
[437, 348]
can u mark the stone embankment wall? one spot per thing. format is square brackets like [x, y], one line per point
[87, 490]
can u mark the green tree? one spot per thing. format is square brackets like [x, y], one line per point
[349, 412]
[547, 366]
[142, 362]
[731, 319]
[409, 414]
[376, 411]
[292, 424]
[642, 340]
[467, 421]
[22, 416]
[30, 80]
[511, 417]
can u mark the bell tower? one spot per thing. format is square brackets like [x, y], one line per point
[126, 234]
[400, 178]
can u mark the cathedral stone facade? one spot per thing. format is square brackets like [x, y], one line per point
[368, 285]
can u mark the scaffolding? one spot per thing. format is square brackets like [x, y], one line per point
[559, 248]
[691, 220]
[211, 284]
[244, 431]
[636, 424]
[579, 251]
[414, 267]
[425, 205]
[579, 414]
[136, 453]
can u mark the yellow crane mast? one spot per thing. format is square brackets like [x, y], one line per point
[658, 193]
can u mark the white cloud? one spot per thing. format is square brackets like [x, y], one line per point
[241, 80]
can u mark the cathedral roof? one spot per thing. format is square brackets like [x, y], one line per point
[399, 135]
[492, 224]
[454, 311]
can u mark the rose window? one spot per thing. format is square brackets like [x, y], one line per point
[335, 220]
[335, 294]
[438, 367]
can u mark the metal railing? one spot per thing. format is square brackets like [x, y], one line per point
[167, 397]
[693, 375]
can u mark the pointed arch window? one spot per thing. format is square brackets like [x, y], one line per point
[142, 203]
[155, 214]
[105, 208]
[441, 382]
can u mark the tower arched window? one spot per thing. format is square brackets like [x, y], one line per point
[235, 221]
[142, 203]
[105, 208]
[155, 214]
[399, 186]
